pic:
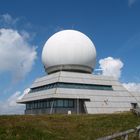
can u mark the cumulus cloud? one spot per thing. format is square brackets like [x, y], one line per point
[132, 86]
[26, 91]
[111, 67]
[10, 106]
[7, 20]
[16, 54]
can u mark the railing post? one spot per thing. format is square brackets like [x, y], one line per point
[126, 137]
[124, 134]
[138, 134]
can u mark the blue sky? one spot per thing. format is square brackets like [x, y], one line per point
[113, 26]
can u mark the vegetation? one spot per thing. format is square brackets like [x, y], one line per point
[64, 127]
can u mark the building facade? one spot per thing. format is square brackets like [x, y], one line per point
[70, 87]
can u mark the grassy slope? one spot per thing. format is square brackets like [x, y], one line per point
[63, 127]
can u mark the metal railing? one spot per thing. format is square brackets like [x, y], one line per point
[136, 111]
[123, 134]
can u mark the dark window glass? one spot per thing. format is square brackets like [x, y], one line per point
[27, 106]
[72, 85]
[65, 103]
[39, 104]
[54, 103]
[43, 104]
[47, 104]
[51, 104]
[33, 105]
[59, 103]
[71, 103]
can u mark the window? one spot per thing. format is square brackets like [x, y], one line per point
[72, 85]
[38, 104]
[28, 106]
[60, 103]
[57, 103]
[41, 104]
[134, 105]
[35, 105]
[71, 103]
[66, 103]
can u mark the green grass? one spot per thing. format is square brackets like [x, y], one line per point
[64, 127]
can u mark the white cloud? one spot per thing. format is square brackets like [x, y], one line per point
[26, 91]
[132, 86]
[7, 20]
[16, 54]
[10, 106]
[111, 67]
[131, 2]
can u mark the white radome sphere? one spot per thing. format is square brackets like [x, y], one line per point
[69, 47]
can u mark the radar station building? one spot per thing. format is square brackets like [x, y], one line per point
[69, 86]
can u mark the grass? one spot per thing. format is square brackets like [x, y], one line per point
[64, 127]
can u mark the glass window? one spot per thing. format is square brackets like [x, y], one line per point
[27, 106]
[39, 104]
[65, 103]
[71, 103]
[43, 105]
[72, 85]
[55, 85]
[51, 103]
[30, 105]
[55, 103]
[35, 105]
[46, 104]
[59, 103]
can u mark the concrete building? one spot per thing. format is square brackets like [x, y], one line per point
[70, 87]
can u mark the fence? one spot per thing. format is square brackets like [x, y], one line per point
[123, 134]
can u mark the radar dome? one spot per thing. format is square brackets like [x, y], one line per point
[69, 50]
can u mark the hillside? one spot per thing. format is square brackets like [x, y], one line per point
[64, 127]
